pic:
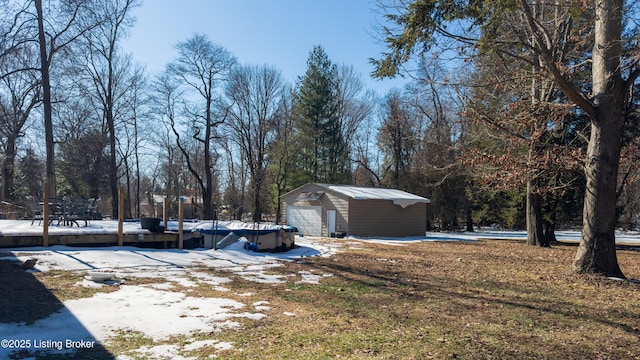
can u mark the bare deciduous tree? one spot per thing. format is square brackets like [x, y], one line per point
[19, 95]
[397, 139]
[108, 71]
[255, 93]
[200, 68]
[58, 26]
[282, 149]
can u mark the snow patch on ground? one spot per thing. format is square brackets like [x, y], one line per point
[158, 310]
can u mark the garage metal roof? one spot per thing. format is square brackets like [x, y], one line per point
[399, 197]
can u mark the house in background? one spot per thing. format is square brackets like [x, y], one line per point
[192, 206]
[332, 210]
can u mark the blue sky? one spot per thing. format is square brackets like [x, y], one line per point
[274, 32]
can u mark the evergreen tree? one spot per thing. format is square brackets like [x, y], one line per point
[323, 154]
[30, 175]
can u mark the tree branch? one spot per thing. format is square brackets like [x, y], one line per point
[576, 96]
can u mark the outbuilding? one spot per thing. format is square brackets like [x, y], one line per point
[317, 209]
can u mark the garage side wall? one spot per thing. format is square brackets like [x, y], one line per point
[384, 218]
[332, 201]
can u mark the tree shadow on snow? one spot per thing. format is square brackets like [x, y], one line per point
[27, 308]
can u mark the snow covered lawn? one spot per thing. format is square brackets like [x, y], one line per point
[154, 309]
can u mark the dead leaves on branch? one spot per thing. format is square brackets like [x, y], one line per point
[524, 143]
[509, 171]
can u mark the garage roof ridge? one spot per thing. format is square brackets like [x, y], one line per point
[399, 197]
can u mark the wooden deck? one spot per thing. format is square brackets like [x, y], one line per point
[22, 234]
[163, 240]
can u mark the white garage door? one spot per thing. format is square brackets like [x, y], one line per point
[308, 219]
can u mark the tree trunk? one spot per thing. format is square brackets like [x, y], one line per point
[549, 232]
[8, 169]
[535, 234]
[469, 218]
[257, 187]
[207, 191]
[50, 173]
[127, 195]
[279, 208]
[597, 250]
[550, 223]
[257, 214]
[137, 162]
[109, 115]
[113, 166]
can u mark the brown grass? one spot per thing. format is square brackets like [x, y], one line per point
[491, 299]
[440, 300]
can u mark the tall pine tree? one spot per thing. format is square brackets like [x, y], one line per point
[323, 154]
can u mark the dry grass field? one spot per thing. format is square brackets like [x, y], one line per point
[493, 299]
[448, 300]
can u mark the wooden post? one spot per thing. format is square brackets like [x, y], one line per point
[165, 212]
[120, 216]
[45, 215]
[180, 219]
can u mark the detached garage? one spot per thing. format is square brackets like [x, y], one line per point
[330, 210]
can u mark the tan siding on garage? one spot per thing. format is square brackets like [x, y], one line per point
[341, 205]
[329, 201]
[370, 217]
[290, 197]
[384, 218]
